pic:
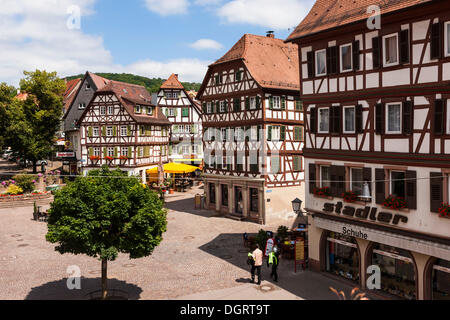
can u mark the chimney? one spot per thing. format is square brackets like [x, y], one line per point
[270, 34]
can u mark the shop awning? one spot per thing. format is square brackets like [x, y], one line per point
[174, 168]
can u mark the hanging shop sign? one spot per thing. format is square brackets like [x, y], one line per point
[366, 213]
[65, 154]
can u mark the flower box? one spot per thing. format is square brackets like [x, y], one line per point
[109, 158]
[322, 192]
[94, 158]
[123, 158]
[444, 210]
[350, 196]
[395, 203]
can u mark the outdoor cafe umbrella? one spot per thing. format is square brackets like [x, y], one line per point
[174, 168]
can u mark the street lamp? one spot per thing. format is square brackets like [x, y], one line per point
[297, 206]
[366, 197]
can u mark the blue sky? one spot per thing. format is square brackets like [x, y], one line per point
[152, 38]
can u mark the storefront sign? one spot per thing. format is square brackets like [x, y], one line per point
[65, 154]
[367, 213]
[353, 233]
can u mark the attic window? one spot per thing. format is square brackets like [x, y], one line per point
[138, 108]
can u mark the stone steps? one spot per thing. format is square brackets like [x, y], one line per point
[235, 217]
[25, 203]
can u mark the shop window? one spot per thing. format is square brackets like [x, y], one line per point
[346, 58]
[254, 200]
[342, 256]
[441, 280]
[325, 177]
[212, 193]
[398, 184]
[390, 52]
[224, 192]
[397, 271]
[357, 180]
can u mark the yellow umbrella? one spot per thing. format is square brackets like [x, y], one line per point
[174, 168]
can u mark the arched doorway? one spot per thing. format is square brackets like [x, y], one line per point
[398, 270]
[342, 256]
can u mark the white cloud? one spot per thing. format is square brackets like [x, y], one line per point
[206, 44]
[36, 36]
[167, 7]
[279, 14]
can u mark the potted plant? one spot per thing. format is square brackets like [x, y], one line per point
[350, 196]
[395, 203]
[444, 210]
[282, 232]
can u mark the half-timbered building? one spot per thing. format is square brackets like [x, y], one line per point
[184, 113]
[122, 129]
[375, 83]
[253, 131]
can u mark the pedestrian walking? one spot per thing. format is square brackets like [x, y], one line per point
[274, 261]
[257, 257]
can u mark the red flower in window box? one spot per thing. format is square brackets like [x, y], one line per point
[123, 158]
[395, 203]
[94, 158]
[322, 192]
[444, 210]
[109, 158]
[350, 196]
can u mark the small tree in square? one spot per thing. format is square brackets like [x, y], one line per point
[104, 214]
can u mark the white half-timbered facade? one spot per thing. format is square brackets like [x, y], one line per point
[253, 131]
[184, 113]
[376, 93]
[121, 128]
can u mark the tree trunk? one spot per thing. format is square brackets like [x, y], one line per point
[34, 166]
[104, 279]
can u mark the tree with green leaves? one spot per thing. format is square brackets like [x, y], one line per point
[7, 94]
[104, 214]
[35, 121]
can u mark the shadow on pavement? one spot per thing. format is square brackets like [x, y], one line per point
[188, 205]
[57, 290]
[304, 284]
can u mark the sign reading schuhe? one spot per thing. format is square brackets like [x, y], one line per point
[367, 213]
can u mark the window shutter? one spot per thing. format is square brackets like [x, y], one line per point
[359, 119]
[411, 189]
[436, 41]
[115, 152]
[313, 120]
[236, 106]
[91, 152]
[217, 107]
[259, 133]
[298, 104]
[329, 61]
[271, 103]
[380, 195]
[379, 118]
[258, 102]
[103, 131]
[283, 103]
[114, 131]
[335, 119]
[90, 132]
[204, 107]
[404, 46]
[312, 177]
[129, 152]
[226, 105]
[334, 60]
[269, 133]
[439, 117]
[283, 133]
[104, 152]
[297, 133]
[355, 48]
[436, 191]
[310, 58]
[166, 111]
[247, 103]
[408, 113]
[376, 52]
[129, 130]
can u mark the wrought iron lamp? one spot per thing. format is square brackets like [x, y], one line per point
[366, 197]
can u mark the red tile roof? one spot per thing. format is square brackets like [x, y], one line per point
[131, 94]
[172, 83]
[70, 94]
[99, 82]
[329, 14]
[271, 62]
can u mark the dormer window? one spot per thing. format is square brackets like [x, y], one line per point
[138, 109]
[150, 111]
[175, 95]
[390, 52]
[82, 106]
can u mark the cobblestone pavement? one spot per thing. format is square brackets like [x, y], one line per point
[200, 253]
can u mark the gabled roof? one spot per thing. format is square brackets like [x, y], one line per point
[131, 94]
[271, 62]
[172, 83]
[99, 82]
[70, 94]
[329, 14]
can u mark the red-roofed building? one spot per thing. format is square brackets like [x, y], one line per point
[186, 145]
[253, 131]
[376, 94]
[121, 127]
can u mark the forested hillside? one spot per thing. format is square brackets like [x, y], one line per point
[151, 85]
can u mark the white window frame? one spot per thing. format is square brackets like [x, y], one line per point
[446, 42]
[110, 152]
[319, 118]
[110, 110]
[124, 151]
[150, 111]
[97, 152]
[222, 106]
[102, 110]
[252, 103]
[276, 102]
[354, 120]
[109, 131]
[175, 95]
[123, 131]
[387, 118]
[171, 112]
[95, 131]
[254, 133]
[385, 64]
[316, 54]
[138, 108]
[341, 57]
[82, 106]
[391, 191]
[276, 133]
[321, 178]
[352, 178]
[208, 107]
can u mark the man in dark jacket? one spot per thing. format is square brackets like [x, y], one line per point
[274, 260]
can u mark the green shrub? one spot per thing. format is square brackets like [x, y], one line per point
[14, 190]
[25, 182]
[261, 239]
[282, 232]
